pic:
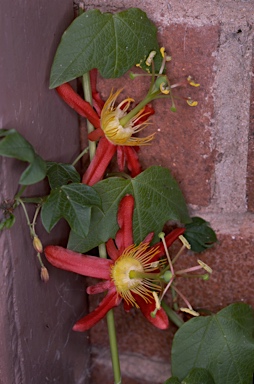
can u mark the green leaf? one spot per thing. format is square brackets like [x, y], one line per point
[158, 199]
[172, 380]
[222, 343]
[15, 145]
[110, 43]
[72, 202]
[8, 222]
[196, 376]
[199, 234]
[61, 174]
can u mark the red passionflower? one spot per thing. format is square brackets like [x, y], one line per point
[113, 137]
[130, 275]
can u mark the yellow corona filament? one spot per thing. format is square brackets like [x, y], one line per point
[135, 259]
[114, 131]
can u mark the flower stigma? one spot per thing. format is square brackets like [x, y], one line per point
[133, 273]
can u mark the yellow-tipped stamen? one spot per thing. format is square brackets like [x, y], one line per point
[190, 311]
[162, 237]
[157, 301]
[185, 242]
[114, 131]
[162, 51]
[192, 103]
[205, 266]
[150, 58]
[132, 273]
[192, 82]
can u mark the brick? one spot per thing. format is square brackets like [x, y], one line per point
[250, 167]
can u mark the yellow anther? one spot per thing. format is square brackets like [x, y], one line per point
[138, 65]
[150, 58]
[164, 88]
[205, 266]
[162, 51]
[185, 242]
[190, 311]
[157, 301]
[192, 82]
[192, 103]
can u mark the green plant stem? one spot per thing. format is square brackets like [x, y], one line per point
[89, 99]
[80, 156]
[112, 332]
[172, 315]
[103, 252]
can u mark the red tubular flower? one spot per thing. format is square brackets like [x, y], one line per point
[105, 117]
[127, 276]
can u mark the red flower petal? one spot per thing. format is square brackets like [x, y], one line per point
[110, 301]
[160, 320]
[97, 100]
[76, 262]
[104, 153]
[96, 134]
[112, 251]
[132, 160]
[100, 287]
[124, 237]
[76, 102]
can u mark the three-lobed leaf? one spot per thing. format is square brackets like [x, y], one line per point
[221, 343]
[72, 202]
[112, 43]
[158, 199]
[13, 144]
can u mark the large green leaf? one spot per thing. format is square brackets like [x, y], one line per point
[15, 145]
[73, 202]
[157, 200]
[110, 43]
[221, 343]
[61, 174]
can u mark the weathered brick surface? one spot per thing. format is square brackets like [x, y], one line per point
[250, 168]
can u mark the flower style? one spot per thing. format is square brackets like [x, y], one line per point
[130, 275]
[113, 136]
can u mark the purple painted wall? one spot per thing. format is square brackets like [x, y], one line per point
[37, 345]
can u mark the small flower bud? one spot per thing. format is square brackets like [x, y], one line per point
[44, 274]
[37, 244]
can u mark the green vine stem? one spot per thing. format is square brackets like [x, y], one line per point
[102, 251]
[89, 99]
[112, 331]
[172, 315]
